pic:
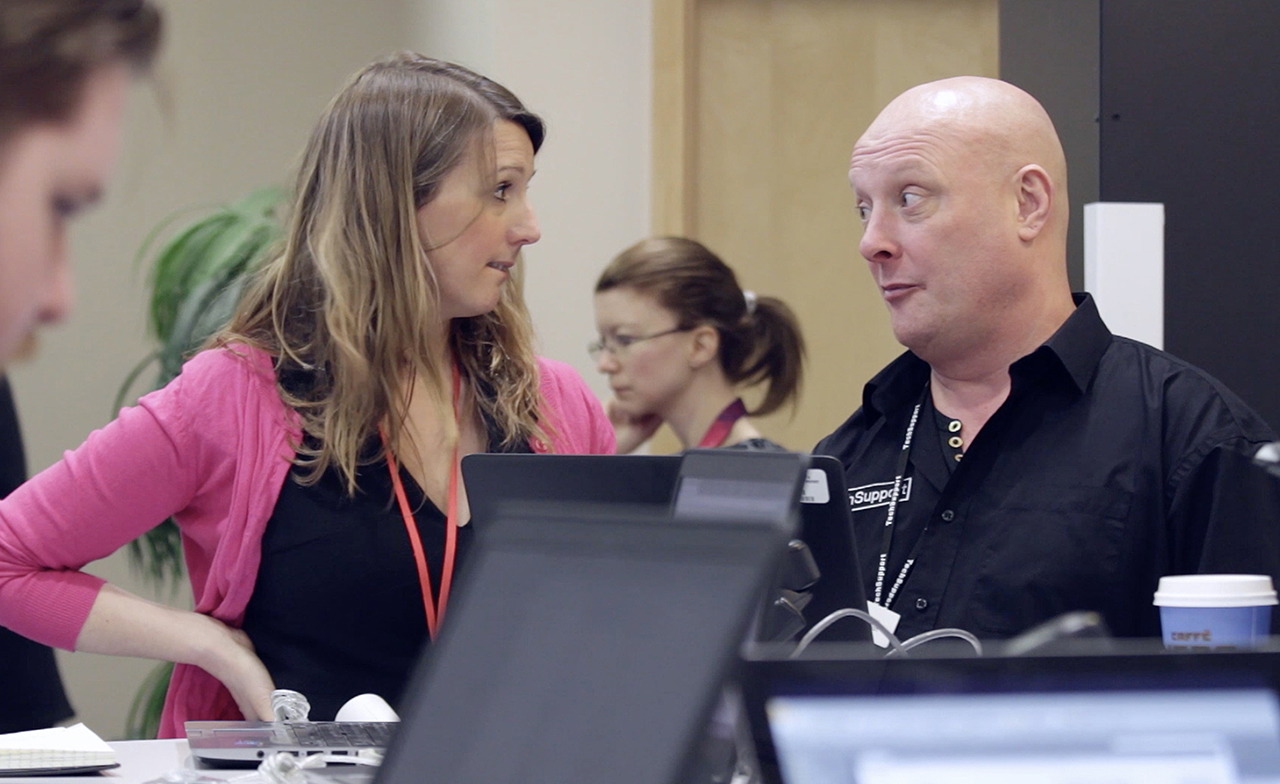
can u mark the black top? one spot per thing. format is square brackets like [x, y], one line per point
[1111, 464]
[32, 694]
[337, 608]
[949, 437]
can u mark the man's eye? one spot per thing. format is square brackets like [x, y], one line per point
[909, 198]
[864, 212]
[622, 341]
[501, 191]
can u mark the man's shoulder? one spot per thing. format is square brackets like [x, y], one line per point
[894, 386]
[845, 439]
[1185, 392]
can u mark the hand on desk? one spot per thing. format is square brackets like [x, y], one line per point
[127, 625]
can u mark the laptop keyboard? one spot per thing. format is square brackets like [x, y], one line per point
[364, 734]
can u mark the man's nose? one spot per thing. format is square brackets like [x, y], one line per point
[878, 243]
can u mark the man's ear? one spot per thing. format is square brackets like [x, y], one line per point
[706, 345]
[1036, 193]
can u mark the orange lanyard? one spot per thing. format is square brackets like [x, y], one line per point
[435, 611]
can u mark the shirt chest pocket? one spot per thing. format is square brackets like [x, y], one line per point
[1046, 550]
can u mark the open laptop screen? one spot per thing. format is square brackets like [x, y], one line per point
[585, 645]
[1205, 737]
[1202, 719]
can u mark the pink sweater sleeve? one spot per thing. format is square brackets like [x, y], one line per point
[575, 418]
[126, 478]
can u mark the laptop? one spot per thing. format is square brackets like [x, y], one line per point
[247, 743]
[650, 481]
[590, 642]
[1129, 714]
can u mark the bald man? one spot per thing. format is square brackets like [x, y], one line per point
[1019, 461]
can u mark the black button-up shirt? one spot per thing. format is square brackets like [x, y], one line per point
[1110, 465]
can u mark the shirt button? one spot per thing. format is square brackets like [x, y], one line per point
[922, 604]
[948, 516]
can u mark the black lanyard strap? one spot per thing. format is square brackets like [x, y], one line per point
[886, 540]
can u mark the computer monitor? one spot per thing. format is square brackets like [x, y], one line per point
[1127, 717]
[493, 480]
[650, 481]
[826, 526]
[586, 643]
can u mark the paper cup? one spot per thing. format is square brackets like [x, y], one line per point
[1215, 611]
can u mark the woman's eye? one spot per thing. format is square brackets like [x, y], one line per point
[622, 341]
[864, 212]
[65, 207]
[501, 191]
[909, 198]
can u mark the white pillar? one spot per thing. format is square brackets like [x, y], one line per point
[1124, 267]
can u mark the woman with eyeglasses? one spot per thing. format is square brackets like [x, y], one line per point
[679, 338]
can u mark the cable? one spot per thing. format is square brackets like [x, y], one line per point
[289, 705]
[938, 634]
[849, 612]
[895, 645]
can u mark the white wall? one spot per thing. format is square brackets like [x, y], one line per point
[242, 82]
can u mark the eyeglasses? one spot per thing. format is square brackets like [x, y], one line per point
[617, 345]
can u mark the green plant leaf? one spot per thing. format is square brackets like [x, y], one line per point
[195, 279]
[157, 556]
[175, 266]
[122, 394]
[144, 250]
[143, 719]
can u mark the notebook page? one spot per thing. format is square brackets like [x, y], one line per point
[56, 747]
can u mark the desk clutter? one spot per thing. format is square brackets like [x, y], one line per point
[359, 736]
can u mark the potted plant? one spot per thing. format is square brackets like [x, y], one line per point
[195, 279]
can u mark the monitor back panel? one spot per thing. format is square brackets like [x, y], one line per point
[585, 646]
[826, 525]
[638, 480]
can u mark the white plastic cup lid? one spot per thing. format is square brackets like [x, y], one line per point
[1215, 590]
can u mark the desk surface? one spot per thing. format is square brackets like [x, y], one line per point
[140, 761]
[143, 761]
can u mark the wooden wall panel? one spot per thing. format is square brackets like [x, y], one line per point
[779, 91]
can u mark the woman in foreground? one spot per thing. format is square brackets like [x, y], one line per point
[310, 453]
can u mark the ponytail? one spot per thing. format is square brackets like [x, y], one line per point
[776, 354]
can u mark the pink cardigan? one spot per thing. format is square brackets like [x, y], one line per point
[212, 449]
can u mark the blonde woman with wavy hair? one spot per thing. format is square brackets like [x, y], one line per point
[310, 453]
